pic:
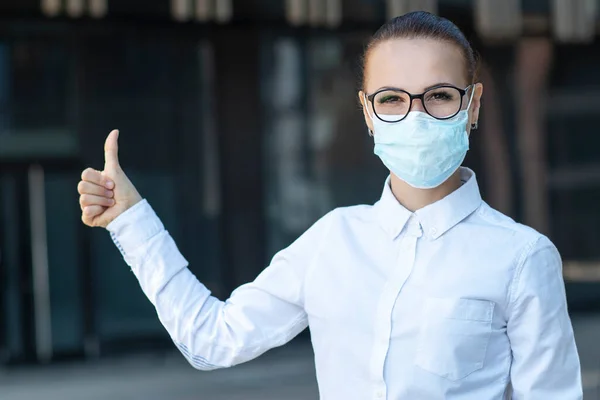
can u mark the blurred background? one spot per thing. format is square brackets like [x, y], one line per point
[240, 123]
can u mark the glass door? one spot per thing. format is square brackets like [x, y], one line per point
[43, 292]
[64, 287]
[41, 243]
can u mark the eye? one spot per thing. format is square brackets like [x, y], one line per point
[390, 98]
[441, 95]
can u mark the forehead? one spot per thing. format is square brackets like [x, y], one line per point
[414, 64]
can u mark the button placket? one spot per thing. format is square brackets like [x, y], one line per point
[383, 323]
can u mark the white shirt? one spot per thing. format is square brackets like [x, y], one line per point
[454, 301]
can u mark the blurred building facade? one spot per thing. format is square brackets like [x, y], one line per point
[240, 123]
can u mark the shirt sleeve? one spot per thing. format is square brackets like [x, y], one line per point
[211, 333]
[545, 363]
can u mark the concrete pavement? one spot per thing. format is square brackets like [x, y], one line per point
[282, 374]
[286, 373]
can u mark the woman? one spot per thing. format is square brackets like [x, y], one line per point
[428, 294]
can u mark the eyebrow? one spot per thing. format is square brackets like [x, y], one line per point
[424, 90]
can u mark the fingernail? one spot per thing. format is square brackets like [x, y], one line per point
[111, 202]
[110, 184]
[109, 193]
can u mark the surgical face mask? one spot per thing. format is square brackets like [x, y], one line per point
[421, 150]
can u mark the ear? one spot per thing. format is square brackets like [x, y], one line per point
[366, 109]
[475, 105]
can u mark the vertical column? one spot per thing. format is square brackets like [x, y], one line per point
[400, 7]
[534, 59]
[223, 10]
[496, 160]
[239, 114]
[333, 13]
[98, 8]
[499, 19]
[75, 8]
[220, 11]
[211, 200]
[396, 8]
[209, 173]
[181, 10]
[574, 20]
[296, 11]
[204, 10]
[39, 258]
[316, 12]
[423, 5]
[51, 8]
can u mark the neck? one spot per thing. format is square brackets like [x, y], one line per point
[414, 199]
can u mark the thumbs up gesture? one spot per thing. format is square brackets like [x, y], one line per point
[104, 195]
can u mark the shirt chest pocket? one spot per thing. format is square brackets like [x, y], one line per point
[454, 336]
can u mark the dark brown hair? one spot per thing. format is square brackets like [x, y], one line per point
[424, 25]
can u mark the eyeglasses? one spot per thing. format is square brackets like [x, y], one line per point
[441, 102]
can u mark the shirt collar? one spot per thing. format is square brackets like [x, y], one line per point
[436, 218]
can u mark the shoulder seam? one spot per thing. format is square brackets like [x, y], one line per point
[520, 265]
[518, 269]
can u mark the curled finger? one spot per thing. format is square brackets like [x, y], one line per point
[93, 176]
[92, 211]
[85, 187]
[93, 200]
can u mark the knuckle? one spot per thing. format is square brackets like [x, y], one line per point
[86, 173]
[90, 175]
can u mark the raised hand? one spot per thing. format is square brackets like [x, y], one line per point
[104, 195]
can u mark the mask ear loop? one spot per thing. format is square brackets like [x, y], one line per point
[471, 97]
[368, 113]
[474, 125]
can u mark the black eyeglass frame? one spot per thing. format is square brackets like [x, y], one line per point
[420, 96]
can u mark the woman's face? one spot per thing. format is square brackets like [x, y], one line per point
[415, 65]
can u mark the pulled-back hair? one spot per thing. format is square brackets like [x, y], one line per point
[424, 25]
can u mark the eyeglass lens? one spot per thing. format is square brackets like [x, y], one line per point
[393, 105]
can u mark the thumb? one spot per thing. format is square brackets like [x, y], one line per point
[111, 150]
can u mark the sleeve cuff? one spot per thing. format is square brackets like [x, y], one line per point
[135, 227]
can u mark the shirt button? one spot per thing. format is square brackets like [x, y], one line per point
[380, 394]
[433, 231]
